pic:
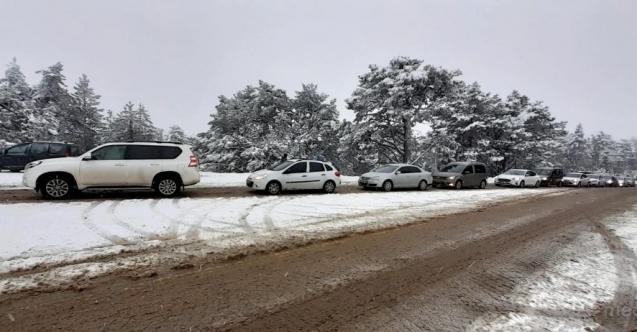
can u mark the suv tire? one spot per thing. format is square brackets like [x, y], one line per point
[168, 186]
[483, 184]
[329, 187]
[57, 187]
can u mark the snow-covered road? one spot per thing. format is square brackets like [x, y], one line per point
[44, 233]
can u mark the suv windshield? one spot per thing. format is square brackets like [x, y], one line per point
[453, 168]
[282, 166]
[385, 169]
[544, 171]
[573, 175]
[515, 172]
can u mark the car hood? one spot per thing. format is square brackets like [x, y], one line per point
[446, 174]
[509, 176]
[261, 172]
[571, 178]
[373, 174]
[60, 161]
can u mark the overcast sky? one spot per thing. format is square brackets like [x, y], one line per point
[177, 57]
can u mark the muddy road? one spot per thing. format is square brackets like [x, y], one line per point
[437, 275]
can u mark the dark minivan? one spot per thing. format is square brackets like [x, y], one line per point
[17, 156]
[550, 176]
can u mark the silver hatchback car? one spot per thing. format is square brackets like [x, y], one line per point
[393, 176]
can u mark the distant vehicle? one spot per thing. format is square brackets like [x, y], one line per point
[610, 181]
[162, 166]
[620, 181]
[462, 174]
[518, 178]
[296, 174]
[17, 157]
[596, 180]
[393, 176]
[576, 180]
[550, 176]
[629, 181]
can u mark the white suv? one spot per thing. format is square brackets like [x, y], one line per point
[296, 174]
[164, 167]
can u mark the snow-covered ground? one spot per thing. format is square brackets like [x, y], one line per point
[45, 233]
[9, 180]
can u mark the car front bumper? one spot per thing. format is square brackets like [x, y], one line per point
[29, 179]
[445, 182]
[256, 184]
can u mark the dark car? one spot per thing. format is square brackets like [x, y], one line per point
[17, 156]
[461, 174]
[550, 176]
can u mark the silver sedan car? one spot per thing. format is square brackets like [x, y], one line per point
[388, 177]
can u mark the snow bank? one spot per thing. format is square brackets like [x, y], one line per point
[10, 180]
[46, 233]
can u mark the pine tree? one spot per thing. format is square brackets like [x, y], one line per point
[87, 116]
[578, 151]
[176, 134]
[133, 125]
[390, 100]
[53, 115]
[16, 107]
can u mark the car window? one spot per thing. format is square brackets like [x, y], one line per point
[297, 168]
[111, 152]
[468, 169]
[481, 169]
[329, 168]
[39, 148]
[142, 152]
[19, 149]
[530, 173]
[452, 168]
[169, 152]
[282, 166]
[316, 167]
[414, 169]
[75, 150]
[57, 148]
[404, 170]
[584, 176]
[385, 169]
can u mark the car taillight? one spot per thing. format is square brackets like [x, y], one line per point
[337, 174]
[67, 154]
[193, 161]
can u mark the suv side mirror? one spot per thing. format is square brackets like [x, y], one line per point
[87, 157]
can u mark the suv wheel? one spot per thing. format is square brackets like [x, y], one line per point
[167, 187]
[329, 187]
[273, 188]
[422, 185]
[458, 184]
[483, 184]
[387, 185]
[57, 187]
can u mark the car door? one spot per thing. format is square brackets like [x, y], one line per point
[143, 162]
[584, 180]
[468, 177]
[402, 177]
[105, 168]
[15, 156]
[317, 175]
[296, 176]
[415, 175]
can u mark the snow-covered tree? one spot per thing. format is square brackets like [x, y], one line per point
[133, 125]
[53, 104]
[600, 144]
[15, 105]
[390, 100]
[176, 134]
[85, 115]
[578, 151]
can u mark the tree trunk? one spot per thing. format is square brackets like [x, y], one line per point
[407, 133]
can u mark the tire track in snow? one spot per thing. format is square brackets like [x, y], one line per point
[123, 224]
[88, 222]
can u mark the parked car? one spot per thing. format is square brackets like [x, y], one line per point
[296, 174]
[629, 181]
[461, 174]
[596, 180]
[17, 157]
[518, 178]
[610, 181]
[163, 167]
[393, 176]
[550, 176]
[576, 180]
[620, 181]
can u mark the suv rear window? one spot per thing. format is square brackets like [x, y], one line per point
[137, 152]
[169, 152]
[57, 148]
[480, 168]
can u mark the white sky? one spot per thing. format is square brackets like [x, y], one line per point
[177, 57]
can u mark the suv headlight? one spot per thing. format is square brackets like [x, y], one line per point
[261, 177]
[451, 177]
[33, 164]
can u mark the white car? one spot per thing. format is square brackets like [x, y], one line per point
[164, 167]
[387, 177]
[518, 178]
[296, 174]
[576, 180]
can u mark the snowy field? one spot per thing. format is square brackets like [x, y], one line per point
[46, 233]
[9, 180]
